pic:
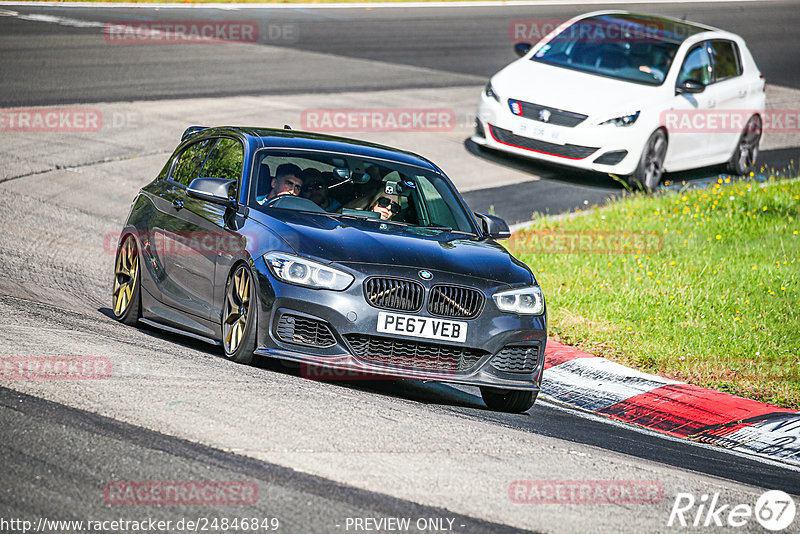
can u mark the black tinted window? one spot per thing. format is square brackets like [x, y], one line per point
[696, 66]
[726, 59]
[225, 160]
[190, 161]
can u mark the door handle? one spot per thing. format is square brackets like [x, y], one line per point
[742, 93]
[177, 203]
[712, 103]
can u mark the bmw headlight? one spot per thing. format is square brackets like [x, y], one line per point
[489, 91]
[525, 301]
[304, 272]
[625, 120]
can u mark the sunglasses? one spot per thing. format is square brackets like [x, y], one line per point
[385, 202]
[313, 187]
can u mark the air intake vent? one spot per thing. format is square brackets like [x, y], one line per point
[413, 354]
[455, 301]
[304, 331]
[517, 359]
[394, 294]
[507, 137]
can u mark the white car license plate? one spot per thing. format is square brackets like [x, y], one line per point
[426, 327]
[538, 130]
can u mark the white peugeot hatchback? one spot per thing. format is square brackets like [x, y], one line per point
[628, 94]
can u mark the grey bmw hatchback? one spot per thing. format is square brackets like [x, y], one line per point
[330, 252]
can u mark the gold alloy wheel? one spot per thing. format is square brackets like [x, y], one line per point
[237, 308]
[125, 275]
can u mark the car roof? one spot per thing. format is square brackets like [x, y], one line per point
[667, 28]
[299, 140]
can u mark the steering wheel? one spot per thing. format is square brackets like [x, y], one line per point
[292, 202]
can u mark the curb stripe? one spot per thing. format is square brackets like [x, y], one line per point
[677, 409]
[557, 353]
[684, 410]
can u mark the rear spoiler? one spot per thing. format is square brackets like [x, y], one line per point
[191, 130]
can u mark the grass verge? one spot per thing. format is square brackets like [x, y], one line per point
[698, 286]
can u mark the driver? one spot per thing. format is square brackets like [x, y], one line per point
[288, 181]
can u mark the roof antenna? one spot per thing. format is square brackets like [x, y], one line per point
[287, 127]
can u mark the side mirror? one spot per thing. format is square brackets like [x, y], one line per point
[493, 227]
[216, 190]
[522, 48]
[689, 87]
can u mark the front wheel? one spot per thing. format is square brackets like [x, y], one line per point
[239, 317]
[126, 295]
[744, 157]
[650, 169]
[505, 400]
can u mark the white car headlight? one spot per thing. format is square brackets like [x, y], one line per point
[489, 91]
[625, 120]
[525, 301]
[304, 272]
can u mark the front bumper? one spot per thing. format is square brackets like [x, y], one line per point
[481, 360]
[601, 148]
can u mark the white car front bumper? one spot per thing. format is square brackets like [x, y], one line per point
[603, 148]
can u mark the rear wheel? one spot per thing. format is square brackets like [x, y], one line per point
[508, 400]
[744, 157]
[650, 169]
[239, 317]
[126, 296]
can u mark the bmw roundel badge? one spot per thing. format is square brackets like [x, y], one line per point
[425, 275]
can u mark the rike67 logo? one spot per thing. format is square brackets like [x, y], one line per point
[774, 510]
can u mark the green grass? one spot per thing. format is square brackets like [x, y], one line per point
[711, 298]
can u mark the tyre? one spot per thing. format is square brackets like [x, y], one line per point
[650, 169]
[508, 400]
[239, 316]
[126, 295]
[744, 156]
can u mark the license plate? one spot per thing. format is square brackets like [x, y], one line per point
[426, 327]
[538, 130]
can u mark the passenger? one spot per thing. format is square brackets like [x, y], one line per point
[387, 205]
[315, 188]
[288, 181]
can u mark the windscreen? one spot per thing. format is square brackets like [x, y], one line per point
[350, 186]
[624, 47]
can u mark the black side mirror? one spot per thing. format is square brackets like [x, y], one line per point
[689, 87]
[493, 227]
[216, 190]
[522, 48]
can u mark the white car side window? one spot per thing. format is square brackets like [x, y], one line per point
[696, 66]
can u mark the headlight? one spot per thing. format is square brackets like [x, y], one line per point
[489, 91]
[625, 120]
[303, 272]
[525, 301]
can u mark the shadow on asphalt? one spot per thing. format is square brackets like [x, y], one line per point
[554, 189]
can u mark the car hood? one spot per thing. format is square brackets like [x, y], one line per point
[355, 240]
[598, 97]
